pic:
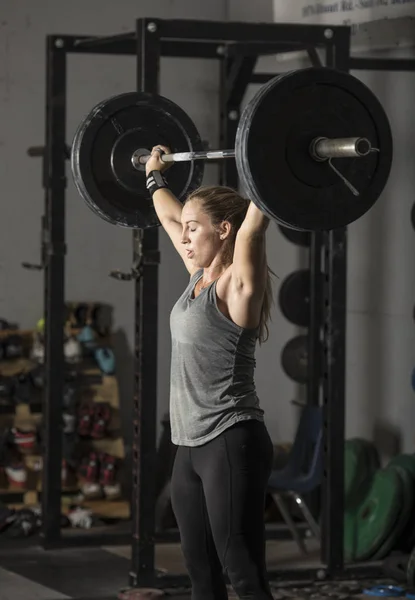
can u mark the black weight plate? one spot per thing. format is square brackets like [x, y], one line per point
[294, 297]
[273, 140]
[410, 570]
[103, 146]
[413, 216]
[300, 238]
[294, 359]
[394, 567]
[402, 520]
[407, 539]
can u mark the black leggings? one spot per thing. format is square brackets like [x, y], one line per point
[218, 497]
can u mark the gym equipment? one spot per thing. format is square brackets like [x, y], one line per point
[367, 527]
[410, 570]
[294, 359]
[294, 297]
[406, 461]
[295, 236]
[394, 567]
[407, 539]
[287, 139]
[403, 517]
[39, 151]
[105, 143]
[361, 461]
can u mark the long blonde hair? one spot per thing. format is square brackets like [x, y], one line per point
[222, 203]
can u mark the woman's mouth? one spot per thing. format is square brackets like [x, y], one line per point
[189, 253]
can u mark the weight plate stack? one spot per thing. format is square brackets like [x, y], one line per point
[406, 540]
[406, 461]
[410, 570]
[403, 517]
[368, 526]
[361, 461]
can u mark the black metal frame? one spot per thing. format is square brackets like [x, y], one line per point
[237, 46]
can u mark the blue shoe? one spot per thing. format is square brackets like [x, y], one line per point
[87, 338]
[106, 360]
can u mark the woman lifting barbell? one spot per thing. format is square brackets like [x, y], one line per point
[224, 454]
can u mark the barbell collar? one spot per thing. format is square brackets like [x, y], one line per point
[324, 148]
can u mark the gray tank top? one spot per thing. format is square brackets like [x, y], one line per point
[212, 369]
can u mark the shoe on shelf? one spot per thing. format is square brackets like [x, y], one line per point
[37, 352]
[25, 441]
[72, 350]
[86, 413]
[105, 359]
[80, 517]
[13, 347]
[88, 340]
[101, 420]
[112, 492]
[16, 475]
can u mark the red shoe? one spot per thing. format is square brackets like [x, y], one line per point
[25, 441]
[17, 476]
[89, 469]
[86, 415]
[108, 469]
[102, 418]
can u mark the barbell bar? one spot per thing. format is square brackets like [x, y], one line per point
[320, 149]
[313, 151]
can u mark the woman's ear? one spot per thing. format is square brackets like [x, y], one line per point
[224, 230]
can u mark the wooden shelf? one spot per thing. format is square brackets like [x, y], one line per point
[93, 386]
[5, 333]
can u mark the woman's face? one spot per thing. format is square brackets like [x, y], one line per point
[203, 241]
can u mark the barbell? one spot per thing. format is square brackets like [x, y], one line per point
[313, 151]
[320, 149]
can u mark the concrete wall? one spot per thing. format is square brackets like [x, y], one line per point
[381, 287]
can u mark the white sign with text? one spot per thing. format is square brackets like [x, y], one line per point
[392, 17]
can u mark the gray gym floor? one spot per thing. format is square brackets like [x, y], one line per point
[31, 573]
